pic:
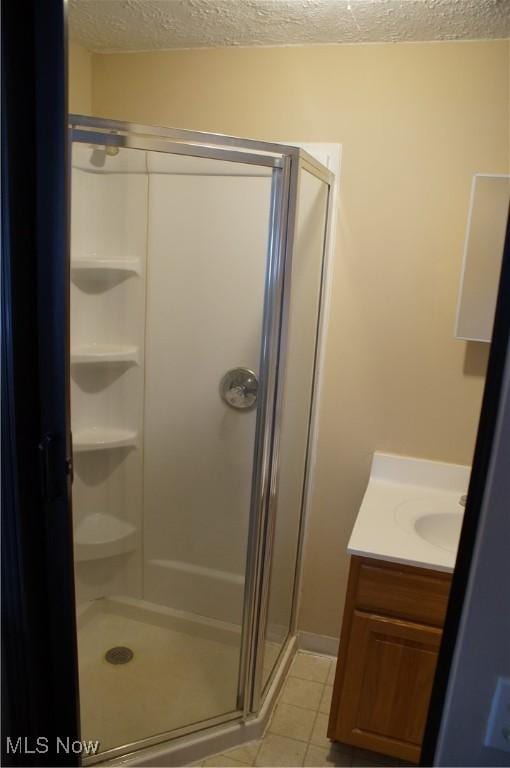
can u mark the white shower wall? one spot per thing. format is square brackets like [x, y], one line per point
[207, 253]
[198, 230]
[108, 254]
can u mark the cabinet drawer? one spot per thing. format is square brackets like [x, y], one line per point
[402, 591]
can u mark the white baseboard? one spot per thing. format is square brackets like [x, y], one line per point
[324, 644]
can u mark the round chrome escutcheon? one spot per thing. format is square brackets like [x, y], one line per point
[239, 388]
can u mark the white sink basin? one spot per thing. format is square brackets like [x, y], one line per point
[441, 530]
[437, 519]
[411, 512]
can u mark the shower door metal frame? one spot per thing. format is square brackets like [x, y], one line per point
[286, 162]
[302, 162]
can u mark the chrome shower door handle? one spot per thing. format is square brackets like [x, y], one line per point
[239, 388]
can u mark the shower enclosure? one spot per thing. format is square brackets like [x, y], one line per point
[197, 267]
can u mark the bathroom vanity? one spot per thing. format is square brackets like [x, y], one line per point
[403, 549]
[388, 652]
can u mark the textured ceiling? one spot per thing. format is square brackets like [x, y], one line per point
[139, 25]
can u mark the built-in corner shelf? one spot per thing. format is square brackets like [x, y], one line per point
[101, 535]
[105, 353]
[102, 438]
[96, 268]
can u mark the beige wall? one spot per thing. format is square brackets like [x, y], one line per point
[80, 79]
[415, 121]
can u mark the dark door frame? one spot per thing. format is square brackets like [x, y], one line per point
[39, 676]
[483, 456]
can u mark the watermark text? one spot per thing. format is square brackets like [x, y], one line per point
[24, 745]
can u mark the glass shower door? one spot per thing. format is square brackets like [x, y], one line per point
[301, 337]
[169, 259]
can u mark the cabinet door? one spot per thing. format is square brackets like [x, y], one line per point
[387, 683]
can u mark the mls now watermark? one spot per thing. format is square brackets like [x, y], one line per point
[41, 745]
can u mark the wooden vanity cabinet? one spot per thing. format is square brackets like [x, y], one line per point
[391, 632]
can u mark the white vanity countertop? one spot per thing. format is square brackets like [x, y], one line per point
[403, 497]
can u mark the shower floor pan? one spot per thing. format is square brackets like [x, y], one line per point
[183, 670]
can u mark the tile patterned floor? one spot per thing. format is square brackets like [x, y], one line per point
[296, 735]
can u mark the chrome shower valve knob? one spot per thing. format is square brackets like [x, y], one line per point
[239, 388]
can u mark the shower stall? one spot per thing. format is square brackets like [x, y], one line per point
[197, 265]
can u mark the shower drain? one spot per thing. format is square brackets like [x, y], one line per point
[119, 654]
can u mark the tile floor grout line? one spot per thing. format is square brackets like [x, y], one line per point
[326, 754]
[309, 680]
[311, 735]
